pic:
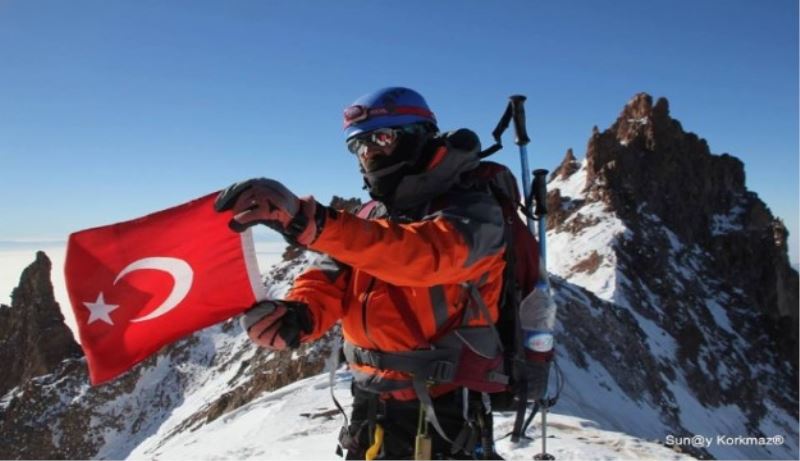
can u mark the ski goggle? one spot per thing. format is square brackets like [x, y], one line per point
[382, 139]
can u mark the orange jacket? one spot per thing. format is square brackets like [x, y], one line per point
[398, 283]
[427, 261]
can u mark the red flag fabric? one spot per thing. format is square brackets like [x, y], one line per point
[138, 285]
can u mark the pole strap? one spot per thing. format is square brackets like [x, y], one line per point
[497, 134]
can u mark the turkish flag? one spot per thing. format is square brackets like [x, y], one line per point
[138, 285]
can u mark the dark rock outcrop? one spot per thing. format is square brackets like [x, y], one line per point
[34, 339]
[568, 166]
[646, 157]
[700, 261]
[646, 163]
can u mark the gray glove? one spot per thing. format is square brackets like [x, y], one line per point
[266, 201]
[277, 325]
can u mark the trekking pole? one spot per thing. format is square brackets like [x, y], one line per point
[522, 140]
[516, 112]
[540, 197]
[534, 191]
[544, 455]
[539, 187]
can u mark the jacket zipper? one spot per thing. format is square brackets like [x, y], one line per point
[364, 303]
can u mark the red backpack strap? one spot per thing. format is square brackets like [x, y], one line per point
[395, 294]
[407, 314]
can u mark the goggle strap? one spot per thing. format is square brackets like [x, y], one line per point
[367, 113]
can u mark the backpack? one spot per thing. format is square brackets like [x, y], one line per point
[472, 360]
[519, 280]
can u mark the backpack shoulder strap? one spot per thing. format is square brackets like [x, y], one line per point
[407, 314]
[367, 209]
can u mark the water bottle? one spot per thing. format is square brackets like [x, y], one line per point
[537, 316]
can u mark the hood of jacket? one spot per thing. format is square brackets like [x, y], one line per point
[452, 154]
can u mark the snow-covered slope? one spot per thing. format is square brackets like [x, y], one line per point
[299, 421]
[215, 396]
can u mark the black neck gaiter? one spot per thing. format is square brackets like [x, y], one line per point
[410, 156]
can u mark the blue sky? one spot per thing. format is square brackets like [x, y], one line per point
[113, 109]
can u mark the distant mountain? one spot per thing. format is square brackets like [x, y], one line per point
[33, 324]
[678, 318]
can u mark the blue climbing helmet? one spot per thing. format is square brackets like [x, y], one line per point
[386, 108]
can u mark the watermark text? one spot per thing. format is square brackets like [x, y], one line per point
[707, 441]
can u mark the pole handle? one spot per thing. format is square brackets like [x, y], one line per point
[517, 105]
[539, 191]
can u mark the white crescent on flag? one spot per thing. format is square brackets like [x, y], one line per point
[181, 273]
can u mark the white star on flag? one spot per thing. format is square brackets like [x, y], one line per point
[99, 310]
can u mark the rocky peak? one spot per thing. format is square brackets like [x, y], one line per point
[568, 166]
[645, 167]
[33, 336]
[658, 227]
[647, 158]
[640, 119]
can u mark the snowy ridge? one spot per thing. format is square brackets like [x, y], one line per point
[182, 404]
[595, 251]
[592, 246]
[300, 421]
[175, 390]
